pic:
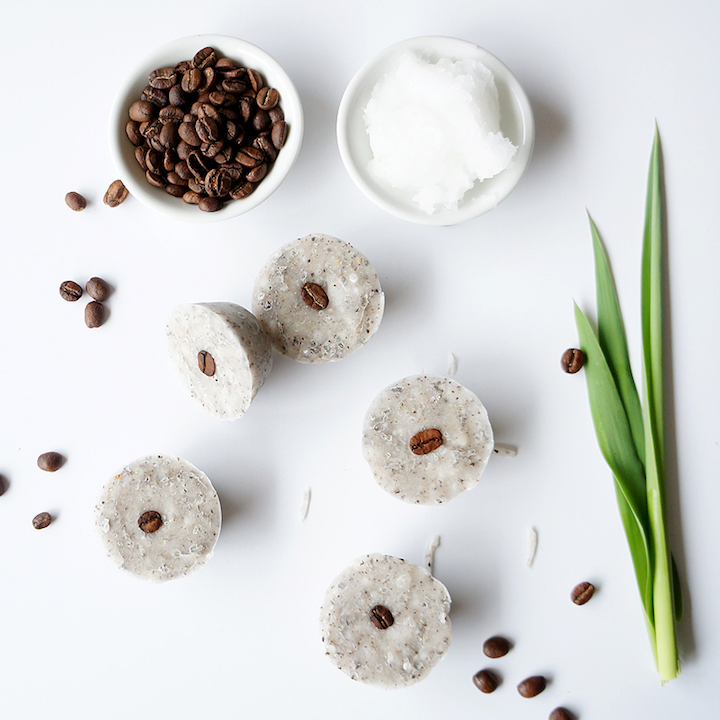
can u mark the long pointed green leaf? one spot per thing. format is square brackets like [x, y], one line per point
[613, 341]
[652, 326]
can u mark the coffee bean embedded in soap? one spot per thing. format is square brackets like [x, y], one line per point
[582, 592]
[486, 681]
[75, 201]
[496, 647]
[532, 686]
[41, 520]
[150, 521]
[94, 314]
[50, 461]
[426, 441]
[314, 296]
[561, 713]
[572, 360]
[97, 289]
[70, 291]
[206, 363]
[381, 617]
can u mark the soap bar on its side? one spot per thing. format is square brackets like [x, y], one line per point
[405, 651]
[189, 512]
[423, 403]
[240, 355]
[344, 320]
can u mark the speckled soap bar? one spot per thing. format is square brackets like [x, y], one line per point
[159, 518]
[222, 354]
[319, 299]
[427, 439]
[384, 621]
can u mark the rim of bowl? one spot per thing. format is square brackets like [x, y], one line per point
[516, 122]
[171, 53]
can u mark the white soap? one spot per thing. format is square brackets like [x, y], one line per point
[402, 653]
[185, 501]
[427, 403]
[434, 130]
[310, 333]
[240, 355]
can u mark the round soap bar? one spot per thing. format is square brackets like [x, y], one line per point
[159, 518]
[427, 439]
[222, 354]
[384, 621]
[318, 299]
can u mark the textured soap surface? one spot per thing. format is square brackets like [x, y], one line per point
[421, 403]
[186, 501]
[404, 652]
[240, 351]
[355, 301]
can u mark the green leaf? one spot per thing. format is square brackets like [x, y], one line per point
[613, 341]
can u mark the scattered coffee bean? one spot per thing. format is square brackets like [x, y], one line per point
[97, 289]
[50, 461]
[426, 441]
[70, 291]
[211, 110]
[94, 314]
[150, 521]
[314, 296]
[206, 363]
[560, 713]
[115, 194]
[572, 360]
[532, 686]
[582, 592]
[496, 647]
[75, 201]
[486, 681]
[42, 520]
[381, 617]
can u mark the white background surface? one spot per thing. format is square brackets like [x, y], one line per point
[239, 638]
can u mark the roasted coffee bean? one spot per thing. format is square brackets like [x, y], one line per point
[486, 681]
[154, 178]
[207, 129]
[142, 110]
[210, 204]
[196, 186]
[150, 521]
[154, 161]
[207, 110]
[249, 157]
[172, 114]
[116, 194]
[426, 441]
[94, 314]
[242, 190]
[225, 155]
[217, 183]
[261, 120]
[191, 197]
[234, 85]
[532, 686]
[197, 165]
[572, 360]
[169, 135]
[220, 98]
[234, 171]
[226, 63]
[264, 143]
[132, 130]
[70, 291]
[255, 79]
[206, 363]
[175, 190]
[183, 66]
[582, 592]
[169, 159]
[208, 81]
[97, 289]
[210, 150]
[246, 107]
[50, 461]
[176, 96]
[183, 150]
[256, 174]
[182, 170]
[231, 130]
[267, 98]
[561, 713]
[187, 132]
[229, 114]
[276, 114]
[314, 296]
[496, 647]
[155, 96]
[381, 617]
[174, 179]
[140, 153]
[151, 129]
[279, 133]
[42, 520]
[75, 201]
[192, 80]
[163, 78]
[205, 57]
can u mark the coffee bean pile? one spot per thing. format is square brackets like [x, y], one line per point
[97, 289]
[207, 130]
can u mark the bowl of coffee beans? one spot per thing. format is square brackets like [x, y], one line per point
[206, 128]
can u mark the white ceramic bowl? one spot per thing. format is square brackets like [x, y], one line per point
[516, 123]
[248, 55]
